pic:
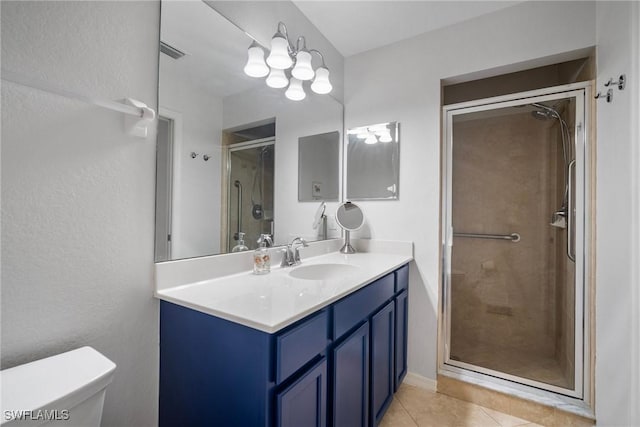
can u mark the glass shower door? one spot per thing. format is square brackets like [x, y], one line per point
[513, 282]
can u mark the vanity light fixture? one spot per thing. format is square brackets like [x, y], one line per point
[279, 63]
[373, 134]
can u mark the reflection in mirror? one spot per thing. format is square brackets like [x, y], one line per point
[349, 216]
[319, 167]
[227, 143]
[373, 162]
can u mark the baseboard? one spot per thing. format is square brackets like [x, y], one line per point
[419, 381]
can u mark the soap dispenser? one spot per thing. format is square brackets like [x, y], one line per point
[261, 257]
[240, 247]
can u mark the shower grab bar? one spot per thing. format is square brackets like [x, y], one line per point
[514, 237]
[571, 250]
[239, 187]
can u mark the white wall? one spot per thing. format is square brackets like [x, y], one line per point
[618, 218]
[195, 228]
[313, 115]
[78, 194]
[401, 82]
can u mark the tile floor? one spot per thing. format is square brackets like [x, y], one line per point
[415, 407]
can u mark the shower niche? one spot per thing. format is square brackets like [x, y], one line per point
[515, 193]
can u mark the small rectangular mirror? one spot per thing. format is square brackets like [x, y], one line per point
[373, 165]
[319, 167]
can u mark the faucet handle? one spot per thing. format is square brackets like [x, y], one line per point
[286, 257]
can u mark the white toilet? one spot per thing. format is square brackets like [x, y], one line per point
[63, 390]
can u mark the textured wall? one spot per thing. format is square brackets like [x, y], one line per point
[78, 194]
[618, 218]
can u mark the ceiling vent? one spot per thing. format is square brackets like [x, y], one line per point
[171, 51]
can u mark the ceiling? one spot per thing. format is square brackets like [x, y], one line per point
[357, 26]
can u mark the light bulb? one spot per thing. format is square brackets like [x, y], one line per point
[277, 79]
[302, 69]
[255, 63]
[279, 57]
[385, 137]
[363, 133]
[371, 139]
[321, 84]
[295, 92]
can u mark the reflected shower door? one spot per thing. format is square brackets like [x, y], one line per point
[514, 292]
[250, 192]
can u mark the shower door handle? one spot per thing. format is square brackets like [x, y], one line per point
[571, 247]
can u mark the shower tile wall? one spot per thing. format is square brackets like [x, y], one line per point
[507, 312]
[243, 166]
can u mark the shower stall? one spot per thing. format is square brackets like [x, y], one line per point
[515, 193]
[250, 184]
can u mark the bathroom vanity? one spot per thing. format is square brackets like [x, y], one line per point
[324, 343]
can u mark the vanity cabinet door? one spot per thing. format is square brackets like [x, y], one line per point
[401, 337]
[382, 361]
[351, 380]
[304, 403]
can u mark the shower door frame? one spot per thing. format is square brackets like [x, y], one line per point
[239, 146]
[583, 197]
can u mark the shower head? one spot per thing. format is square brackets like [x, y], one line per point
[542, 112]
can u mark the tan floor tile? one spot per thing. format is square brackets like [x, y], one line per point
[415, 400]
[397, 416]
[505, 420]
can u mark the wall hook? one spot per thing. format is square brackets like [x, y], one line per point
[608, 96]
[206, 157]
[621, 82]
[194, 154]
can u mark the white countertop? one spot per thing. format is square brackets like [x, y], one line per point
[273, 301]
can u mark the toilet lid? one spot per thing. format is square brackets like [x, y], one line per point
[57, 382]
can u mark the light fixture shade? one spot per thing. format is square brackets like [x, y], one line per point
[279, 57]
[371, 139]
[303, 69]
[255, 63]
[385, 137]
[321, 84]
[277, 79]
[295, 92]
[362, 133]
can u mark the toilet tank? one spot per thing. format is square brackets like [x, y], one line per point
[63, 390]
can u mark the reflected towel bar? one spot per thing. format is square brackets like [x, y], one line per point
[514, 237]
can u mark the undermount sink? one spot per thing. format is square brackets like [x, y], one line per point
[322, 271]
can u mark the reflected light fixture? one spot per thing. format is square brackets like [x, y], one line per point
[294, 91]
[374, 133]
[255, 63]
[284, 60]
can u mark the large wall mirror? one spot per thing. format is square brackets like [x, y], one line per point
[227, 143]
[373, 162]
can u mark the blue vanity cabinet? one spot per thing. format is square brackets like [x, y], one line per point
[402, 323]
[382, 361]
[402, 311]
[304, 403]
[351, 380]
[338, 366]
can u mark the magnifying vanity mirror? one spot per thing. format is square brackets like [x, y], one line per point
[373, 169]
[350, 218]
[228, 160]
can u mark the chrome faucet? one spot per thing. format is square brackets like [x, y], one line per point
[291, 254]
